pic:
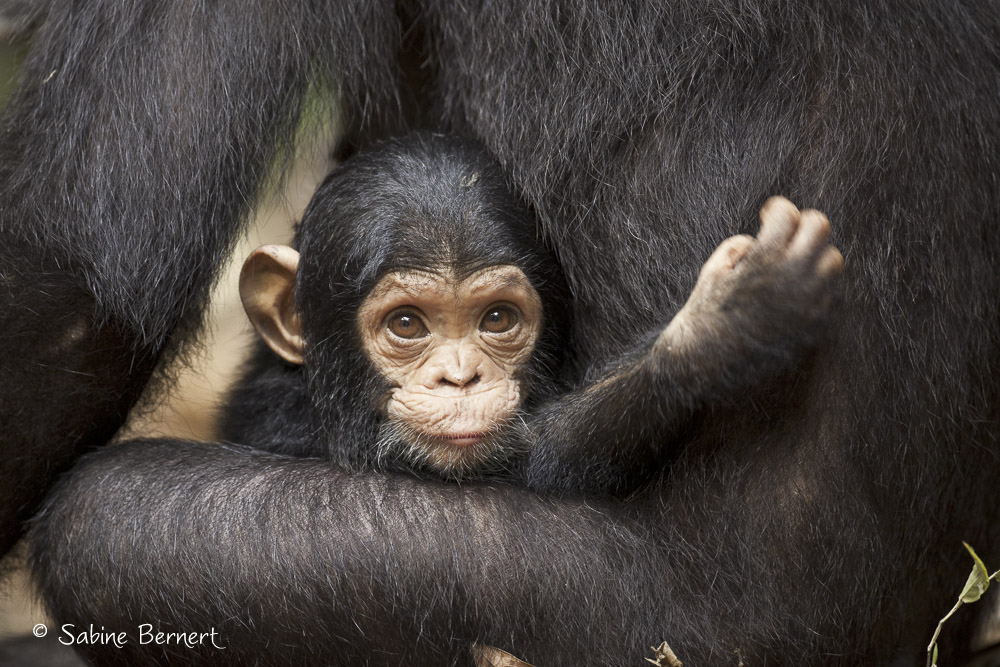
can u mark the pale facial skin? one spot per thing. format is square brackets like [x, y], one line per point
[451, 349]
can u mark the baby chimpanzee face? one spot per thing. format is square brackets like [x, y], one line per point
[452, 350]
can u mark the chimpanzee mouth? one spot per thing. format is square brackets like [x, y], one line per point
[461, 439]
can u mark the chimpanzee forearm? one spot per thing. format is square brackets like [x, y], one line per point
[605, 437]
[335, 567]
[608, 437]
[294, 561]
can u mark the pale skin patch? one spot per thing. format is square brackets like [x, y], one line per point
[451, 350]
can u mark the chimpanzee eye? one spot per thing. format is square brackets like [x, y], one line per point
[498, 319]
[407, 324]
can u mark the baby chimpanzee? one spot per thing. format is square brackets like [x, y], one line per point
[425, 327]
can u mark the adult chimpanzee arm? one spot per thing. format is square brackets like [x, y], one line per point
[336, 568]
[134, 144]
[332, 567]
[757, 305]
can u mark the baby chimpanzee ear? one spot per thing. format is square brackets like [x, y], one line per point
[267, 284]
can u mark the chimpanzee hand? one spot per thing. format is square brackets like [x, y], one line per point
[758, 301]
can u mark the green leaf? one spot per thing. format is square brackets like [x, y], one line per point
[934, 656]
[979, 579]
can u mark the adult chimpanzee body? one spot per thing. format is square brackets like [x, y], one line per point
[809, 524]
[423, 328]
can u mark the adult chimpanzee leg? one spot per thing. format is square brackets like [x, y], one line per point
[810, 524]
[133, 147]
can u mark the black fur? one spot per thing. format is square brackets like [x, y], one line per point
[816, 523]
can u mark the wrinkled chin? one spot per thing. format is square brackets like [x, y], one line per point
[487, 411]
[400, 445]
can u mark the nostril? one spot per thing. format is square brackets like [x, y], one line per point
[459, 382]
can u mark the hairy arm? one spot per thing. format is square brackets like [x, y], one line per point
[297, 560]
[293, 561]
[757, 306]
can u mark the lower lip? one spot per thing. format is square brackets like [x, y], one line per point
[463, 441]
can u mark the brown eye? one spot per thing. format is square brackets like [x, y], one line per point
[498, 320]
[406, 324]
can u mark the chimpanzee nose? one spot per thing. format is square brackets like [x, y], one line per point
[461, 374]
[461, 379]
[458, 367]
